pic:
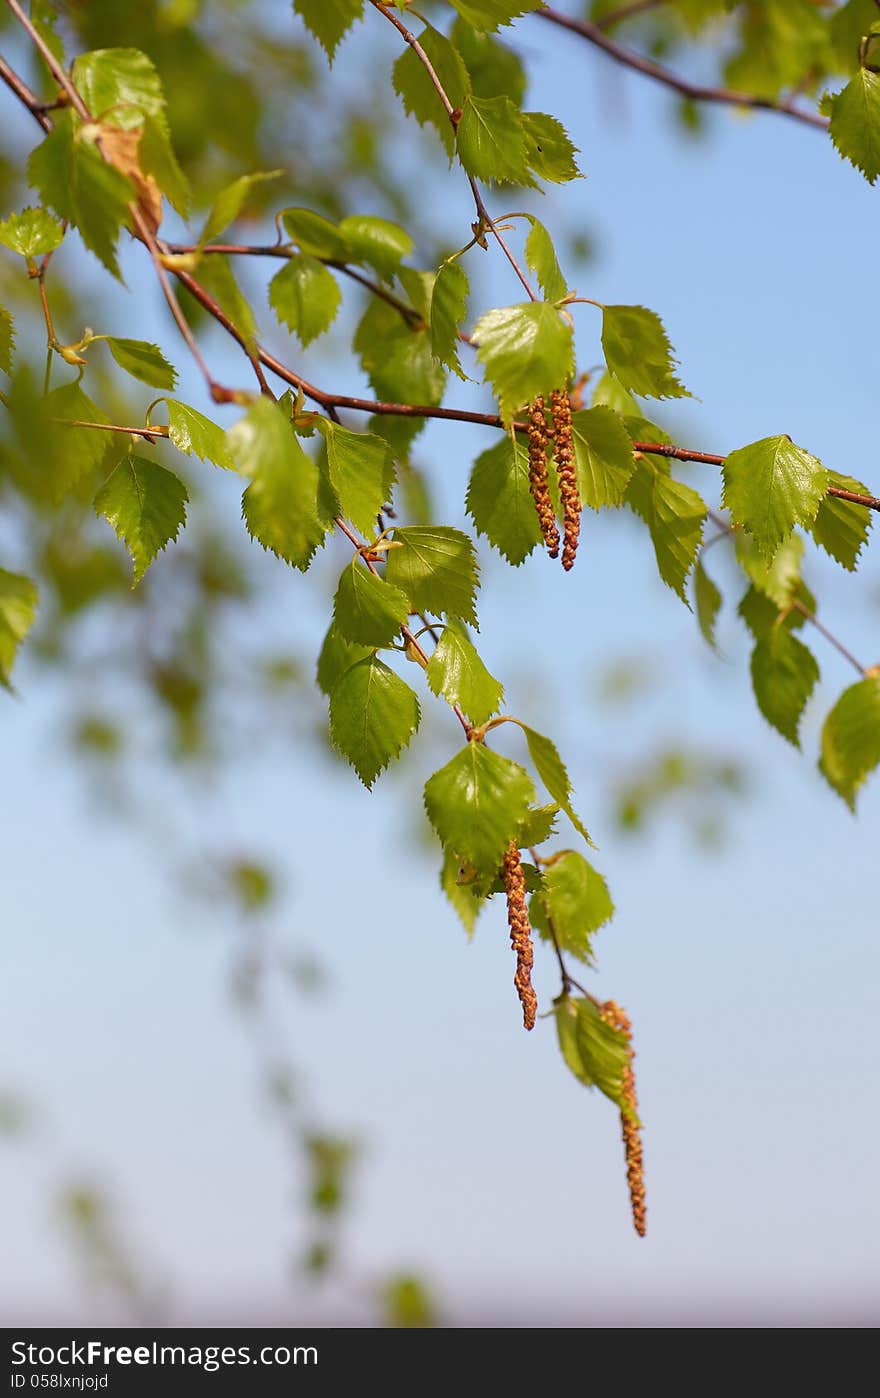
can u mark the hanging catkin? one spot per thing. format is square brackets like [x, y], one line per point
[632, 1140]
[563, 456]
[538, 481]
[520, 934]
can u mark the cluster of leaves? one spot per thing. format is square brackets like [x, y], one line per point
[409, 592]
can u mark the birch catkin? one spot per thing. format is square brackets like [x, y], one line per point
[563, 456]
[632, 1140]
[538, 480]
[520, 934]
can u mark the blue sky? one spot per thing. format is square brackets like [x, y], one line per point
[749, 973]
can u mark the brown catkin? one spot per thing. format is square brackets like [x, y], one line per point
[538, 483]
[520, 934]
[632, 1141]
[563, 455]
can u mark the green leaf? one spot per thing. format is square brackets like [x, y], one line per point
[193, 433]
[417, 92]
[18, 608]
[603, 457]
[491, 141]
[218, 279]
[71, 176]
[772, 485]
[7, 340]
[608, 393]
[230, 202]
[554, 774]
[337, 655]
[146, 505]
[489, 15]
[476, 804]
[549, 150]
[638, 352]
[780, 579]
[541, 258]
[437, 569]
[122, 86]
[526, 350]
[329, 20]
[855, 123]
[851, 739]
[538, 826]
[305, 297]
[315, 234]
[465, 895]
[280, 506]
[596, 1052]
[69, 454]
[398, 359]
[674, 514]
[449, 300]
[143, 361]
[708, 602]
[360, 467]
[499, 500]
[456, 671]
[841, 527]
[32, 233]
[377, 242]
[373, 715]
[575, 899]
[367, 609]
[784, 675]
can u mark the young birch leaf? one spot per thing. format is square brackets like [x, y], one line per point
[18, 608]
[851, 739]
[280, 506]
[554, 774]
[456, 671]
[315, 234]
[120, 78]
[417, 92]
[398, 358]
[72, 177]
[770, 486]
[603, 457]
[549, 150]
[596, 1052]
[476, 804]
[366, 609]
[609, 393]
[337, 655]
[196, 435]
[360, 467]
[526, 350]
[373, 716]
[32, 233]
[465, 895]
[376, 241]
[708, 603]
[143, 361]
[146, 505]
[230, 202]
[491, 141]
[541, 259]
[329, 20]
[784, 675]
[855, 123]
[7, 340]
[675, 515]
[437, 569]
[449, 299]
[638, 352]
[217, 278]
[841, 527]
[780, 579]
[489, 15]
[69, 454]
[573, 897]
[305, 297]
[500, 503]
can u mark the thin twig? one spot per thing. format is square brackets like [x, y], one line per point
[592, 32]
